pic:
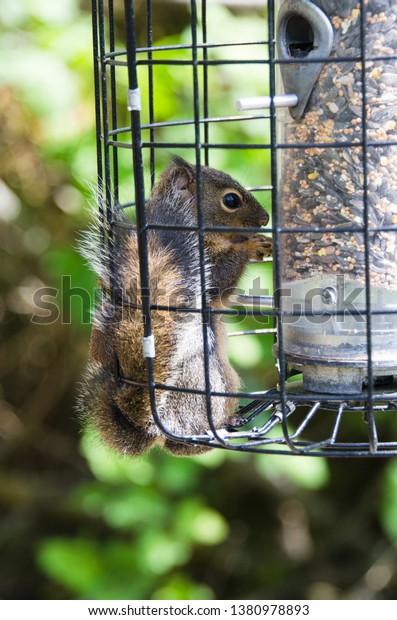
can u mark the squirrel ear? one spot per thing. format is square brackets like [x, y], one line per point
[183, 172]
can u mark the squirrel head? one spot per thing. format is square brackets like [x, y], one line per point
[224, 201]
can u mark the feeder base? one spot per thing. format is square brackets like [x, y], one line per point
[338, 379]
[333, 380]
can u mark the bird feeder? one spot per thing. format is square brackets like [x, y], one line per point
[338, 192]
[330, 130]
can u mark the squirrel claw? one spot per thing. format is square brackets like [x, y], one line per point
[259, 246]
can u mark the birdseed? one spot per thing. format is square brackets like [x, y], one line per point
[325, 186]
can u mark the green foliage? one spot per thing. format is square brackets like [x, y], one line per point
[178, 587]
[154, 520]
[92, 524]
[153, 527]
[300, 472]
[58, 556]
[252, 354]
[389, 501]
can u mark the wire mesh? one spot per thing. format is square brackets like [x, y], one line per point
[288, 418]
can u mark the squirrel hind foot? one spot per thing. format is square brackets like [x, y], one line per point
[126, 437]
[184, 449]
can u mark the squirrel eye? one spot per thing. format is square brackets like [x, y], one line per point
[231, 200]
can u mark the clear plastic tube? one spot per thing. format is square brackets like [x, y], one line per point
[338, 191]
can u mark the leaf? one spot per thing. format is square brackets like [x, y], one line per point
[113, 468]
[75, 563]
[159, 551]
[307, 472]
[180, 587]
[200, 523]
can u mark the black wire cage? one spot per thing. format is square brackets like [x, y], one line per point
[323, 105]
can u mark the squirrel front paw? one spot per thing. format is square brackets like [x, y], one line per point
[259, 246]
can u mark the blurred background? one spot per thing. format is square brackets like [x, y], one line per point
[77, 521]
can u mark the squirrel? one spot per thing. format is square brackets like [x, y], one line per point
[121, 411]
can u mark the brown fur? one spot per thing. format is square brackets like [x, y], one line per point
[121, 411]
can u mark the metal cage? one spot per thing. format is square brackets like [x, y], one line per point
[294, 417]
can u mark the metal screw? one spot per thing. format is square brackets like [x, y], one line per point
[329, 295]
